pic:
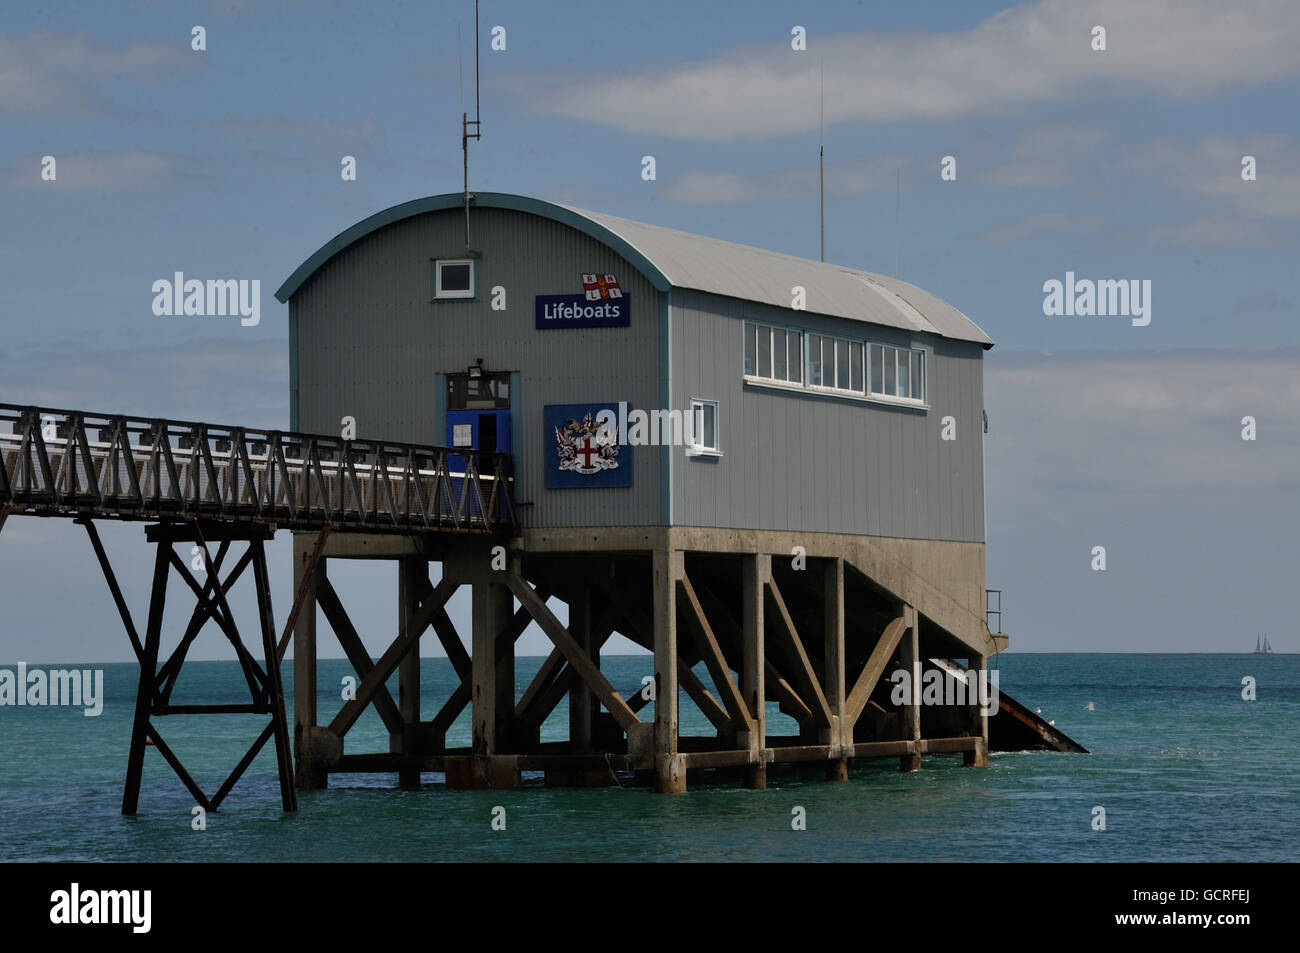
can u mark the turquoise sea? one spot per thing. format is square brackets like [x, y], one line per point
[1185, 768]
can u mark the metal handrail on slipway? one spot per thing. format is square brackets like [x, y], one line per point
[150, 469]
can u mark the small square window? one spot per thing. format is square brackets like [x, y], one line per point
[454, 278]
[704, 429]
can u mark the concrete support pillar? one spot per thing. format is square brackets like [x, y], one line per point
[833, 616]
[756, 570]
[582, 702]
[308, 770]
[491, 699]
[979, 722]
[505, 672]
[910, 649]
[411, 574]
[670, 770]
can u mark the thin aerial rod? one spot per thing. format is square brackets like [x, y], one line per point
[898, 216]
[821, 158]
[476, 45]
[465, 122]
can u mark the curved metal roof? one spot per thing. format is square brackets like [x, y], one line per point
[673, 259]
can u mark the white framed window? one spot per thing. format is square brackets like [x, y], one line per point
[898, 372]
[453, 278]
[848, 367]
[835, 363]
[773, 353]
[705, 426]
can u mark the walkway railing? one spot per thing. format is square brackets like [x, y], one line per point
[74, 463]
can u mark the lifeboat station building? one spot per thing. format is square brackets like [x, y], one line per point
[769, 465]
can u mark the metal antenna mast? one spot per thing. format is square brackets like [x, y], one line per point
[898, 215]
[821, 158]
[466, 122]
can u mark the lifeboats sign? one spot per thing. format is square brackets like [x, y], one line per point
[602, 304]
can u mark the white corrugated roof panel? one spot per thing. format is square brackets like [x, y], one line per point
[755, 274]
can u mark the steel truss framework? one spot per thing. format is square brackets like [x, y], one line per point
[819, 643]
[73, 463]
[206, 484]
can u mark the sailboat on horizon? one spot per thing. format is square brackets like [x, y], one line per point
[1264, 648]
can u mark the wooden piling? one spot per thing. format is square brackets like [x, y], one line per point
[582, 703]
[833, 676]
[979, 722]
[412, 578]
[308, 771]
[910, 650]
[756, 570]
[668, 568]
[492, 689]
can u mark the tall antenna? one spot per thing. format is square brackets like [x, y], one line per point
[821, 156]
[466, 122]
[898, 215]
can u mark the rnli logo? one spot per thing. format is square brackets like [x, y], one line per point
[602, 304]
[600, 287]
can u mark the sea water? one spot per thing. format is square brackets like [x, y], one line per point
[1185, 768]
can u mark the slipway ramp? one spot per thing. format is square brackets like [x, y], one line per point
[1015, 727]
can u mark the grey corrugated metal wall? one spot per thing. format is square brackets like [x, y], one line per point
[370, 340]
[816, 464]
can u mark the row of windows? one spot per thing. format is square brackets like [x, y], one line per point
[821, 361]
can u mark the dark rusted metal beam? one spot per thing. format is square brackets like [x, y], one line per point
[301, 595]
[579, 659]
[146, 691]
[874, 668]
[348, 638]
[387, 663]
[709, 650]
[804, 674]
[113, 587]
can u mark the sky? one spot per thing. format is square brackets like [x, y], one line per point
[1117, 163]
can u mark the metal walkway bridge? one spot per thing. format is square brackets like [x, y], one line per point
[70, 463]
[202, 483]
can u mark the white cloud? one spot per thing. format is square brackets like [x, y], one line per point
[1208, 232]
[104, 170]
[61, 72]
[1034, 53]
[851, 177]
[1139, 422]
[224, 379]
[1264, 301]
[1045, 156]
[1035, 225]
[1212, 169]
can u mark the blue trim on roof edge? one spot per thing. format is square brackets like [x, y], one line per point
[437, 203]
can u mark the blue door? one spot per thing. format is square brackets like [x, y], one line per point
[486, 430]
